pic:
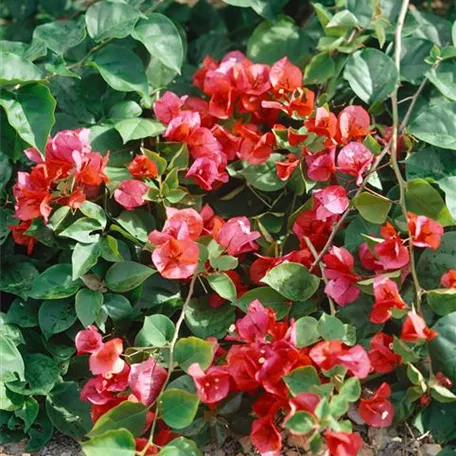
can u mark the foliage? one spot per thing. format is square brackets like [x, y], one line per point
[223, 220]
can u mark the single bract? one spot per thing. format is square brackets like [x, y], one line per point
[217, 223]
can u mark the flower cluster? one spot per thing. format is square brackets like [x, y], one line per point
[69, 173]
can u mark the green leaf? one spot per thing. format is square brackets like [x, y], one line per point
[180, 447]
[224, 262]
[18, 278]
[68, 413]
[88, 305]
[126, 74]
[125, 109]
[138, 128]
[373, 208]
[330, 327]
[443, 301]
[138, 223]
[178, 407]
[82, 230]
[301, 379]
[28, 412]
[189, 350]
[435, 125]
[119, 442]
[444, 79]
[413, 66]
[40, 433]
[351, 389]
[270, 42]
[127, 415]
[434, 263]
[23, 313]
[30, 111]
[10, 360]
[415, 376]
[117, 306]
[422, 199]
[111, 19]
[54, 283]
[41, 374]
[306, 331]
[84, 257]
[60, 36]
[56, 316]
[301, 422]
[292, 280]
[17, 70]
[263, 177]
[126, 275]
[162, 39]
[157, 331]
[268, 297]
[320, 69]
[95, 212]
[341, 22]
[442, 394]
[405, 351]
[204, 321]
[371, 74]
[442, 347]
[222, 284]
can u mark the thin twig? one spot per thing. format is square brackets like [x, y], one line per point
[332, 306]
[394, 150]
[170, 361]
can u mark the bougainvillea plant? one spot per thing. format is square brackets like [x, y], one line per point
[205, 239]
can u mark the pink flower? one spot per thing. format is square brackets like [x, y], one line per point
[146, 380]
[212, 386]
[354, 122]
[285, 76]
[321, 166]
[167, 107]
[204, 172]
[355, 159]
[130, 193]
[176, 259]
[339, 270]
[331, 200]
[392, 254]
[236, 237]
[181, 127]
[425, 231]
[88, 340]
[107, 360]
[255, 324]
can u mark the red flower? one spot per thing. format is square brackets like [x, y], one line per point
[343, 443]
[285, 76]
[307, 225]
[321, 166]
[425, 232]
[176, 259]
[414, 329]
[387, 298]
[243, 364]
[212, 386]
[448, 279]
[377, 411]
[19, 236]
[323, 124]
[107, 360]
[266, 437]
[130, 194]
[146, 380]
[236, 237]
[88, 340]
[368, 259]
[331, 200]
[255, 324]
[355, 159]
[91, 168]
[339, 270]
[354, 122]
[382, 358]
[204, 172]
[255, 148]
[391, 253]
[303, 401]
[181, 127]
[142, 166]
[212, 223]
[285, 169]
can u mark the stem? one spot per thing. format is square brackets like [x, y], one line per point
[171, 361]
[394, 160]
[332, 306]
